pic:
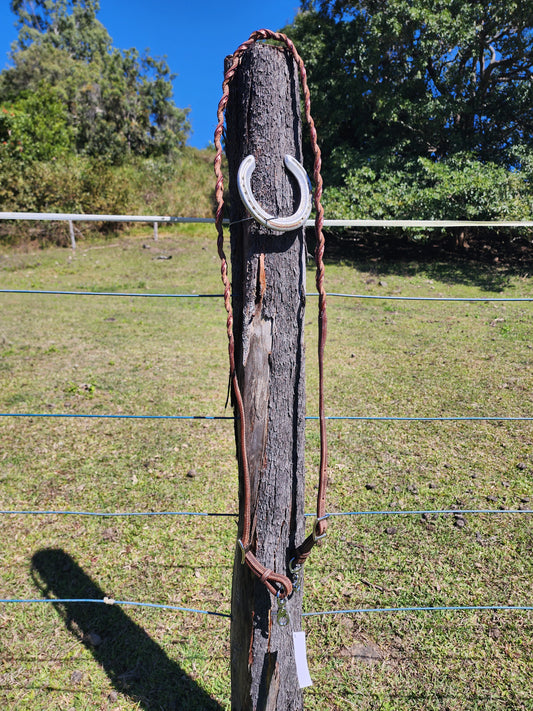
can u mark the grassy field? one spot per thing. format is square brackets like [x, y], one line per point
[127, 355]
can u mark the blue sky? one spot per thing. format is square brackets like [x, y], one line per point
[195, 37]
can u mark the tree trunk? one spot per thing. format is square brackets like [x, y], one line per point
[461, 237]
[268, 281]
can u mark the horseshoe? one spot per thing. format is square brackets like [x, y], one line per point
[280, 224]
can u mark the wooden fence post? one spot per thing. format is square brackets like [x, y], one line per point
[71, 232]
[268, 288]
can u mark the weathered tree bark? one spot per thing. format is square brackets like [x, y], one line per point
[268, 284]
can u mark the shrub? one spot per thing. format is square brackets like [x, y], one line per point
[34, 128]
[79, 184]
[461, 188]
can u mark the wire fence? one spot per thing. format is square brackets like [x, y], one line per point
[156, 220]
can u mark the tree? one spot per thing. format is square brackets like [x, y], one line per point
[410, 78]
[118, 102]
[70, 25]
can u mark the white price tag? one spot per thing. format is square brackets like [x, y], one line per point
[300, 656]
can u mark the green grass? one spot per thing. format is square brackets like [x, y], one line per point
[99, 355]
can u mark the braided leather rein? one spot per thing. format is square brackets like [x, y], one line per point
[278, 584]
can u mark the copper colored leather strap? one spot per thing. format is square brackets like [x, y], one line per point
[277, 583]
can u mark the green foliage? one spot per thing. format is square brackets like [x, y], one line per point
[69, 25]
[118, 103]
[413, 78]
[82, 124]
[82, 184]
[460, 188]
[34, 127]
[73, 184]
[423, 109]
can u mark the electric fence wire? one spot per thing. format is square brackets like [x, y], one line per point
[389, 223]
[385, 512]
[108, 601]
[360, 610]
[382, 297]
[365, 418]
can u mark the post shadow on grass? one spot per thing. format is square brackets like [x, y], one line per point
[135, 664]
